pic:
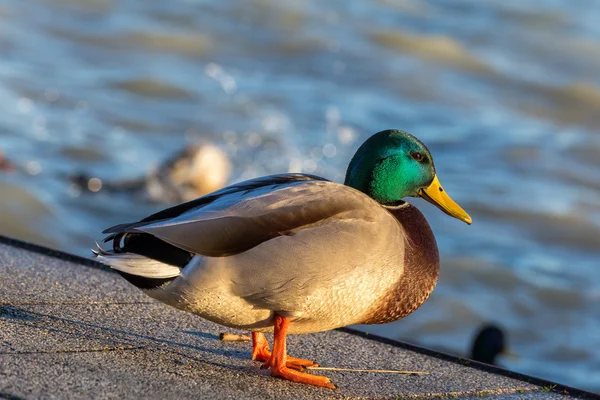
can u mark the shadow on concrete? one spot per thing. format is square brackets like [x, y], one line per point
[201, 334]
[13, 313]
[25, 316]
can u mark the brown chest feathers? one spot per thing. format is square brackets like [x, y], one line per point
[421, 269]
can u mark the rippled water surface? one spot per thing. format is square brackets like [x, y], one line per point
[505, 94]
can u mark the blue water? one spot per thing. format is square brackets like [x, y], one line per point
[505, 94]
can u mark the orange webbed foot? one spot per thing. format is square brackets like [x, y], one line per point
[261, 352]
[280, 364]
[299, 364]
[302, 377]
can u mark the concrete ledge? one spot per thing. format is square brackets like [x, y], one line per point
[70, 328]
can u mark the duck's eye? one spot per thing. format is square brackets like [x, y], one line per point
[418, 156]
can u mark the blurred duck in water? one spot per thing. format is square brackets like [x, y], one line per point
[489, 343]
[191, 173]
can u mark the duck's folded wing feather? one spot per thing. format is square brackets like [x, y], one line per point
[241, 187]
[241, 217]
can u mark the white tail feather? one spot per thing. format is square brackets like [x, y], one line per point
[136, 264]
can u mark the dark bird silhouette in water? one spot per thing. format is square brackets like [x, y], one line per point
[488, 344]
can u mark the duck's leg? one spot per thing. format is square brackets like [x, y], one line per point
[261, 352]
[260, 347]
[278, 362]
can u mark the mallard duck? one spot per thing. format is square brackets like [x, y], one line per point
[296, 253]
[195, 171]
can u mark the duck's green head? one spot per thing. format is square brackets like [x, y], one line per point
[394, 164]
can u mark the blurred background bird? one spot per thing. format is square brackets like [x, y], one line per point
[488, 344]
[193, 172]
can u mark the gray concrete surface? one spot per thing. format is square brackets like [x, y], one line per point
[72, 329]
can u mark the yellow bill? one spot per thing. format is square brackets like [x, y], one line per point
[435, 194]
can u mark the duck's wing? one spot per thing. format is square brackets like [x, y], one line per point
[241, 216]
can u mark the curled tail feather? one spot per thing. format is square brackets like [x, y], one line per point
[136, 264]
